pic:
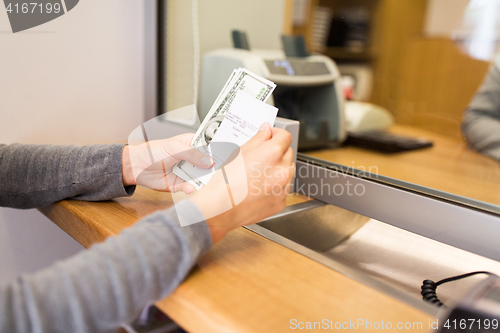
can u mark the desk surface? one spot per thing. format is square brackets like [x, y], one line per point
[449, 165]
[245, 283]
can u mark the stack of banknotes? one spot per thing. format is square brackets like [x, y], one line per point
[240, 80]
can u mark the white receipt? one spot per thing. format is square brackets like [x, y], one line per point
[241, 122]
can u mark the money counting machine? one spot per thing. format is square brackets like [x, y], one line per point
[308, 89]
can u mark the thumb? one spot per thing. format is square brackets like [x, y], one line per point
[264, 134]
[195, 157]
[180, 151]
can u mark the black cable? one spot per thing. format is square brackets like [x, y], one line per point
[429, 287]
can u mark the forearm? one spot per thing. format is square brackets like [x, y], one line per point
[37, 175]
[109, 284]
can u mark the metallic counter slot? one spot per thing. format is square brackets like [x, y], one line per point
[322, 230]
[311, 228]
[314, 224]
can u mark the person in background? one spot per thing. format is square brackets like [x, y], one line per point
[108, 285]
[481, 122]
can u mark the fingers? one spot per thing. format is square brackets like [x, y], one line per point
[196, 158]
[187, 188]
[264, 131]
[282, 138]
[181, 185]
[290, 166]
[177, 148]
[185, 138]
[264, 134]
[291, 173]
[181, 151]
[288, 157]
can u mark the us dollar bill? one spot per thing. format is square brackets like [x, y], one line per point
[240, 79]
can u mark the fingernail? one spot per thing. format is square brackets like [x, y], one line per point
[207, 161]
[263, 127]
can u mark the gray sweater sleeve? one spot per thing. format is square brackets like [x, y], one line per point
[108, 285]
[481, 123]
[37, 175]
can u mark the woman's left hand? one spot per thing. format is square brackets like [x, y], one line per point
[150, 164]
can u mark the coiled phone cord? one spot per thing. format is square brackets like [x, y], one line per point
[429, 287]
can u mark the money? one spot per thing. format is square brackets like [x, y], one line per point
[241, 123]
[240, 80]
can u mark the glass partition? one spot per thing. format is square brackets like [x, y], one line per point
[410, 69]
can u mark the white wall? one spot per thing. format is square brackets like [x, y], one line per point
[262, 20]
[76, 80]
[473, 24]
[444, 17]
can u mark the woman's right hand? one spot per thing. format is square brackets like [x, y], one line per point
[269, 170]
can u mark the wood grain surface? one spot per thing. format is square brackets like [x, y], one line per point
[449, 165]
[437, 81]
[245, 283]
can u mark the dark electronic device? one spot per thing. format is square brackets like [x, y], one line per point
[309, 87]
[478, 311]
[386, 142]
[240, 40]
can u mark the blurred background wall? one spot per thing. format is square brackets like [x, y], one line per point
[262, 20]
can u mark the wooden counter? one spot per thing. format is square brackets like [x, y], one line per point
[449, 165]
[245, 283]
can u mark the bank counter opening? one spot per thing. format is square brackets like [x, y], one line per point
[249, 166]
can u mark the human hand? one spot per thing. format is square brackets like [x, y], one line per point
[269, 169]
[150, 164]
